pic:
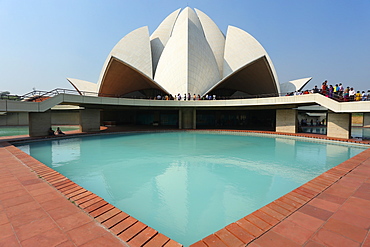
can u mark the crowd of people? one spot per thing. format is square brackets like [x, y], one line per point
[185, 97]
[337, 92]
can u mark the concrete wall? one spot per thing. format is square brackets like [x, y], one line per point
[14, 119]
[39, 123]
[57, 118]
[286, 121]
[65, 117]
[339, 125]
[89, 120]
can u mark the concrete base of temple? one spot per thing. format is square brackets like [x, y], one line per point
[89, 120]
[286, 120]
[339, 125]
[39, 123]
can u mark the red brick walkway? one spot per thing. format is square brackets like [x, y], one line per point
[32, 213]
[80, 217]
[330, 210]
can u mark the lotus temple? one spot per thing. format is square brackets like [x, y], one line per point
[188, 53]
[187, 58]
[186, 75]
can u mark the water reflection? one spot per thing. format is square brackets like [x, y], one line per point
[356, 132]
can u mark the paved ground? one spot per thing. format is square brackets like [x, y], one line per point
[331, 210]
[32, 213]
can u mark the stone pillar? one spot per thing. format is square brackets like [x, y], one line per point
[286, 120]
[89, 120]
[157, 117]
[194, 118]
[187, 118]
[339, 125]
[39, 123]
[367, 119]
[180, 119]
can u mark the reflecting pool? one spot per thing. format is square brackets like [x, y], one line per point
[188, 185]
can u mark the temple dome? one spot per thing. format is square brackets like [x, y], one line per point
[187, 53]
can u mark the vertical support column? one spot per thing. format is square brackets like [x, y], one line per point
[39, 123]
[89, 120]
[157, 117]
[194, 118]
[180, 118]
[339, 125]
[286, 120]
[187, 118]
[366, 119]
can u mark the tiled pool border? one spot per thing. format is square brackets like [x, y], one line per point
[243, 231]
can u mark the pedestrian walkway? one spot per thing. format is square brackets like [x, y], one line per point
[32, 213]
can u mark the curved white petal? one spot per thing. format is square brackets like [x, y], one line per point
[121, 78]
[187, 64]
[83, 86]
[295, 85]
[240, 49]
[134, 50]
[160, 36]
[215, 38]
[254, 78]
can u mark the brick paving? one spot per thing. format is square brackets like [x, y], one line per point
[32, 213]
[40, 207]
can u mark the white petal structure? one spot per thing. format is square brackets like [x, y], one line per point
[215, 38]
[295, 85]
[187, 64]
[83, 86]
[187, 53]
[247, 66]
[128, 67]
[161, 35]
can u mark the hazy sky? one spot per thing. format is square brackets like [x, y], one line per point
[44, 42]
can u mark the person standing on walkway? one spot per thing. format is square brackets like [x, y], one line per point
[352, 94]
[358, 96]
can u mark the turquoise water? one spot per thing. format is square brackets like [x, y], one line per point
[188, 185]
[23, 130]
[356, 132]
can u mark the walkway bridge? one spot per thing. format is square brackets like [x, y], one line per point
[278, 102]
[339, 113]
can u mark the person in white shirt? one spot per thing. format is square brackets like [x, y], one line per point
[364, 96]
[352, 93]
[341, 90]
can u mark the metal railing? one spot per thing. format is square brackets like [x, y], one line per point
[39, 95]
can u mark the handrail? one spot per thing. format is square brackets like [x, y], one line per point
[39, 95]
[77, 99]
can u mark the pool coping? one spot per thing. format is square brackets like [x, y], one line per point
[244, 231]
